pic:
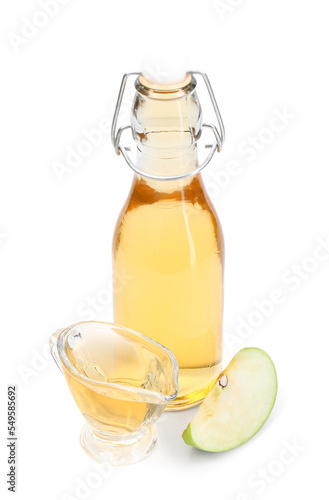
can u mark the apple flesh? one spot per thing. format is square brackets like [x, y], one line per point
[237, 406]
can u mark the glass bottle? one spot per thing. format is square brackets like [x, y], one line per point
[168, 239]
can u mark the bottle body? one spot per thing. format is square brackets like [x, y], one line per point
[168, 244]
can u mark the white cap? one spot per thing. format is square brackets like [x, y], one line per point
[164, 67]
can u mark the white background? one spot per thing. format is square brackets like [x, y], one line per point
[55, 236]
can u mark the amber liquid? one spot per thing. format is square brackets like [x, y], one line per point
[168, 245]
[110, 411]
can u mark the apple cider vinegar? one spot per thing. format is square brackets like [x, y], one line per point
[168, 240]
[107, 409]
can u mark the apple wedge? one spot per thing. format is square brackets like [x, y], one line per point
[237, 406]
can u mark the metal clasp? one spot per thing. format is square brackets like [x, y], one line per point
[120, 149]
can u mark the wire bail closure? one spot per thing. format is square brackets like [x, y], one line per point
[116, 135]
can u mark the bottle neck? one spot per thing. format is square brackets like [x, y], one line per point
[166, 125]
[162, 163]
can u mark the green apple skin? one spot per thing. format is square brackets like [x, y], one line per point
[229, 416]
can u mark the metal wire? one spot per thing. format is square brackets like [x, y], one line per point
[116, 134]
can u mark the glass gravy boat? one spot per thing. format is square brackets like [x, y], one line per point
[121, 382]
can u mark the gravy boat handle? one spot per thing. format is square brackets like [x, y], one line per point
[53, 348]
